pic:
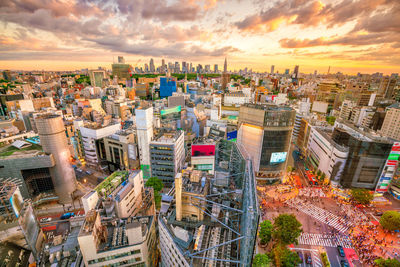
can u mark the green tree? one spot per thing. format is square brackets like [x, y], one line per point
[155, 183]
[157, 186]
[319, 172]
[390, 220]
[361, 195]
[286, 229]
[284, 257]
[387, 262]
[265, 232]
[290, 258]
[323, 176]
[261, 260]
[331, 120]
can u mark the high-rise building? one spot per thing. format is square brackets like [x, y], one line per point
[184, 67]
[167, 86]
[367, 155]
[152, 67]
[272, 69]
[296, 72]
[97, 77]
[167, 154]
[207, 68]
[215, 68]
[144, 131]
[120, 69]
[163, 66]
[225, 76]
[225, 66]
[54, 141]
[265, 131]
[177, 67]
[391, 124]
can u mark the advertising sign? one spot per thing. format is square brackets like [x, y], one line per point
[231, 135]
[16, 202]
[171, 113]
[278, 157]
[203, 150]
[387, 173]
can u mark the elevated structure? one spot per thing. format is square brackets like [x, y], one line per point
[209, 220]
[54, 141]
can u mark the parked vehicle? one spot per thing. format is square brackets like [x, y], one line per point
[341, 251]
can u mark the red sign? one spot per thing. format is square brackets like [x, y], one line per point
[203, 150]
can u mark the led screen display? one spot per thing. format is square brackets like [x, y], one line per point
[278, 157]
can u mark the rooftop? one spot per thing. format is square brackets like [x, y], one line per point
[167, 137]
[111, 183]
[269, 107]
[10, 150]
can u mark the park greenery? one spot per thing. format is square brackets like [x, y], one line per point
[278, 235]
[157, 186]
[390, 220]
[387, 262]
[361, 196]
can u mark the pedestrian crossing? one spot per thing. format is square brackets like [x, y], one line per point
[316, 260]
[326, 240]
[320, 215]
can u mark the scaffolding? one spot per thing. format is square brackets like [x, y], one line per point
[228, 238]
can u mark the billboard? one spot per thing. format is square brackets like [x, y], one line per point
[278, 157]
[231, 135]
[16, 202]
[171, 113]
[388, 170]
[203, 150]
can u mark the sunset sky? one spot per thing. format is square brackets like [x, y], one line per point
[349, 35]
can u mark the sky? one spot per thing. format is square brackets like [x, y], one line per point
[350, 36]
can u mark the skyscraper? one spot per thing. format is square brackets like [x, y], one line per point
[225, 76]
[272, 69]
[144, 130]
[54, 141]
[184, 67]
[163, 67]
[225, 66]
[152, 68]
[296, 72]
[216, 68]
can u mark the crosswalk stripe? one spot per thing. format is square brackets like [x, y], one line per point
[320, 215]
[324, 240]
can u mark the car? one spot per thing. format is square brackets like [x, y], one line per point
[45, 220]
[67, 215]
[341, 251]
[344, 263]
[300, 256]
[378, 213]
[308, 258]
[89, 172]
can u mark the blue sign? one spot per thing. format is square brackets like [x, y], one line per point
[231, 135]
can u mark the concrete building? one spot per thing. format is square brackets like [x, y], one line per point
[265, 131]
[123, 194]
[391, 124]
[54, 141]
[346, 109]
[92, 141]
[144, 131]
[118, 242]
[326, 155]
[367, 155]
[167, 153]
[203, 156]
[235, 99]
[121, 150]
[97, 77]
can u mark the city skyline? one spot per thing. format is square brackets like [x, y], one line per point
[350, 36]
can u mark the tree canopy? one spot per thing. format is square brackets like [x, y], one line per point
[287, 229]
[265, 232]
[261, 260]
[155, 183]
[284, 257]
[387, 262]
[361, 195]
[390, 220]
